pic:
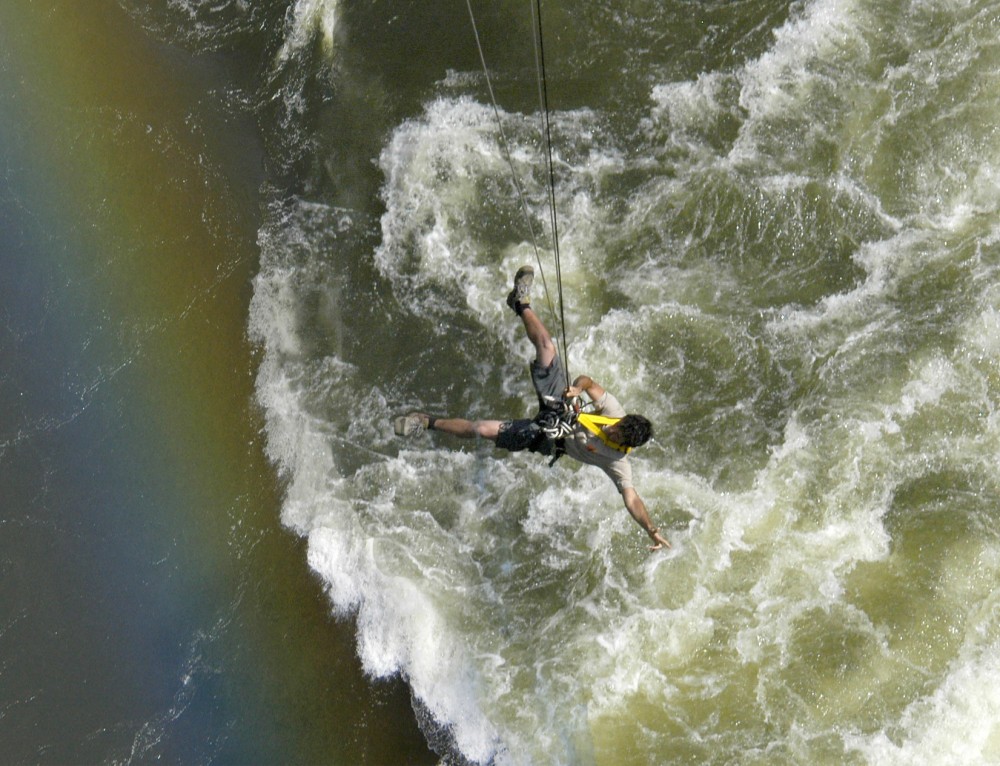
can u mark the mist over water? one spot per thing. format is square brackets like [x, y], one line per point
[779, 241]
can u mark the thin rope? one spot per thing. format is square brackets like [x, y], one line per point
[543, 96]
[505, 147]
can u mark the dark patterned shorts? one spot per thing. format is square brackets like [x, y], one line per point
[517, 435]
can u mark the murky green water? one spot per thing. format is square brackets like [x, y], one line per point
[152, 607]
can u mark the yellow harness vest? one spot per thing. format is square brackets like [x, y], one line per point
[593, 424]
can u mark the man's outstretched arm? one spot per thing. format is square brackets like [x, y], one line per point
[635, 506]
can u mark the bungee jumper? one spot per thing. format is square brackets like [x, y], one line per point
[603, 437]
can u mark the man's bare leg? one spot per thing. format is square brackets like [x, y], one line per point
[545, 349]
[520, 302]
[465, 429]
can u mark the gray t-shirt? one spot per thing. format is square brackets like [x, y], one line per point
[584, 446]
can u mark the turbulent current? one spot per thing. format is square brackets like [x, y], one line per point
[780, 240]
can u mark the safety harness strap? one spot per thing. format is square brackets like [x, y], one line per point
[593, 424]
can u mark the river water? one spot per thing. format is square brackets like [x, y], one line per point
[779, 240]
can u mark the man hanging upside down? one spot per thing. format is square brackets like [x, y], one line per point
[603, 439]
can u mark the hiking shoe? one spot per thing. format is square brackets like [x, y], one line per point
[520, 296]
[407, 425]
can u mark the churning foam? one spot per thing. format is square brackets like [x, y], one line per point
[306, 19]
[956, 724]
[508, 594]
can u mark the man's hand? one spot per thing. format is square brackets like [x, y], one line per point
[637, 508]
[660, 540]
[584, 384]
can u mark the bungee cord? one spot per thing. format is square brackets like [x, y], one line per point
[543, 99]
[536, 13]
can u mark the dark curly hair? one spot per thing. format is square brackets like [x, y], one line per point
[634, 430]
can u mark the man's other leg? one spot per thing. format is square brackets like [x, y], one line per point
[545, 349]
[519, 300]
